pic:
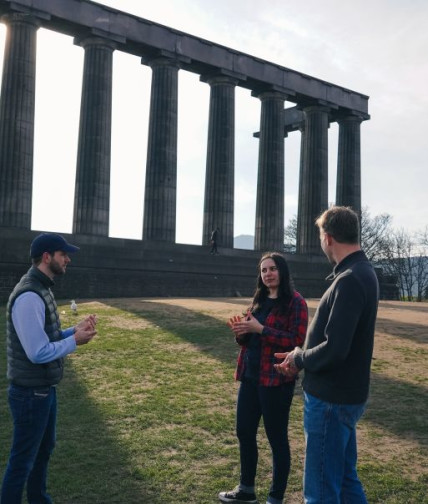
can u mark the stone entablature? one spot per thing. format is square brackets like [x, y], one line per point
[100, 30]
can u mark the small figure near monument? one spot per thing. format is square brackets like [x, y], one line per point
[336, 358]
[214, 240]
[36, 347]
[277, 317]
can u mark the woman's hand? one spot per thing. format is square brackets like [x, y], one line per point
[249, 324]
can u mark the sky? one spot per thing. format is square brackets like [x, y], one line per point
[375, 47]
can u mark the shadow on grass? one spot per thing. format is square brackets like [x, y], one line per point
[194, 327]
[417, 307]
[417, 333]
[88, 466]
[101, 468]
[400, 408]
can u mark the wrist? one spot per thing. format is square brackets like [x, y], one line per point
[298, 358]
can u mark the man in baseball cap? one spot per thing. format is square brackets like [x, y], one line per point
[36, 347]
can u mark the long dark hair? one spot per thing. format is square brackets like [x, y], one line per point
[285, 288]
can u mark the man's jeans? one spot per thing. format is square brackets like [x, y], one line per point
[330, 475]
[273, 403]
[34, 419]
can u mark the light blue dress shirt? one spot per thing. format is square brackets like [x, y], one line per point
[28, 317]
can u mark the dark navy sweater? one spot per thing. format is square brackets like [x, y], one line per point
[338, 350]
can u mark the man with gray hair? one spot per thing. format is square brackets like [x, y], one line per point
[336, 358]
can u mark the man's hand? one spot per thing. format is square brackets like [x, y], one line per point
[84, 331]
[89, 322]
[287, 367]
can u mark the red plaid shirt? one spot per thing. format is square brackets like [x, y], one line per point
[281, 333]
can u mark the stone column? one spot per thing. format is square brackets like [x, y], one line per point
[92, 193]
[161, 171]
[348, 185]
[269, 228]
[301, 187]
[220, 177]
[17, 106]
[313, 197]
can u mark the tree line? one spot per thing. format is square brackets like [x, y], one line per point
[402, 255]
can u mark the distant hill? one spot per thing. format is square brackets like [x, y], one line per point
[244, 242]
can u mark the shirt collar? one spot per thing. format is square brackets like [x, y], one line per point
[347, 261]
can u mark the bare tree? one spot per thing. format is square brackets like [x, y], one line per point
[290, 236]
[421, 276]
[421, 265]
[423, 237]
[398, 261]
[407, 259]
[375, 235]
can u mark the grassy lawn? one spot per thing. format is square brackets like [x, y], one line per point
[147, 410]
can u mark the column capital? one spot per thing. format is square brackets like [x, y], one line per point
[95, 40]
[270, 94]
[351, 118]
[222, 76]
[349, 115]
[214, 80]
[316, 108]
[22, 18]
[165, 58]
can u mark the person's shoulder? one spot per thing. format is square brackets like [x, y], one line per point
[28, 300]
[361, 268]
[28, 296]
[356, 281]
[297, 298]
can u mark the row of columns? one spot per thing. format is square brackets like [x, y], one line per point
[91, 209]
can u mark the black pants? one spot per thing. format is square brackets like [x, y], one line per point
[273, 403]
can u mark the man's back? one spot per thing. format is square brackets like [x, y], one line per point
[338, 369]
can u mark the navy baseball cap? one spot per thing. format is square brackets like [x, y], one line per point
[50, 242]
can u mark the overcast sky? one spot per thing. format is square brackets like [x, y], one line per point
[375, 47]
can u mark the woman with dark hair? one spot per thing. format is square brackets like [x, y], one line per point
[276, 321]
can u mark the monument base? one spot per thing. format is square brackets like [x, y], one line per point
[116, 267]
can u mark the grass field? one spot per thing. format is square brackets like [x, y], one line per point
[147, 410]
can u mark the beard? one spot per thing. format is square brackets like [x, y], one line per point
[56, 268]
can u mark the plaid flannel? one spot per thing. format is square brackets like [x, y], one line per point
[281, 333]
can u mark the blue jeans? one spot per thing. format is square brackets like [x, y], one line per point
[273, 403]
[330, 475]
[34, 420]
